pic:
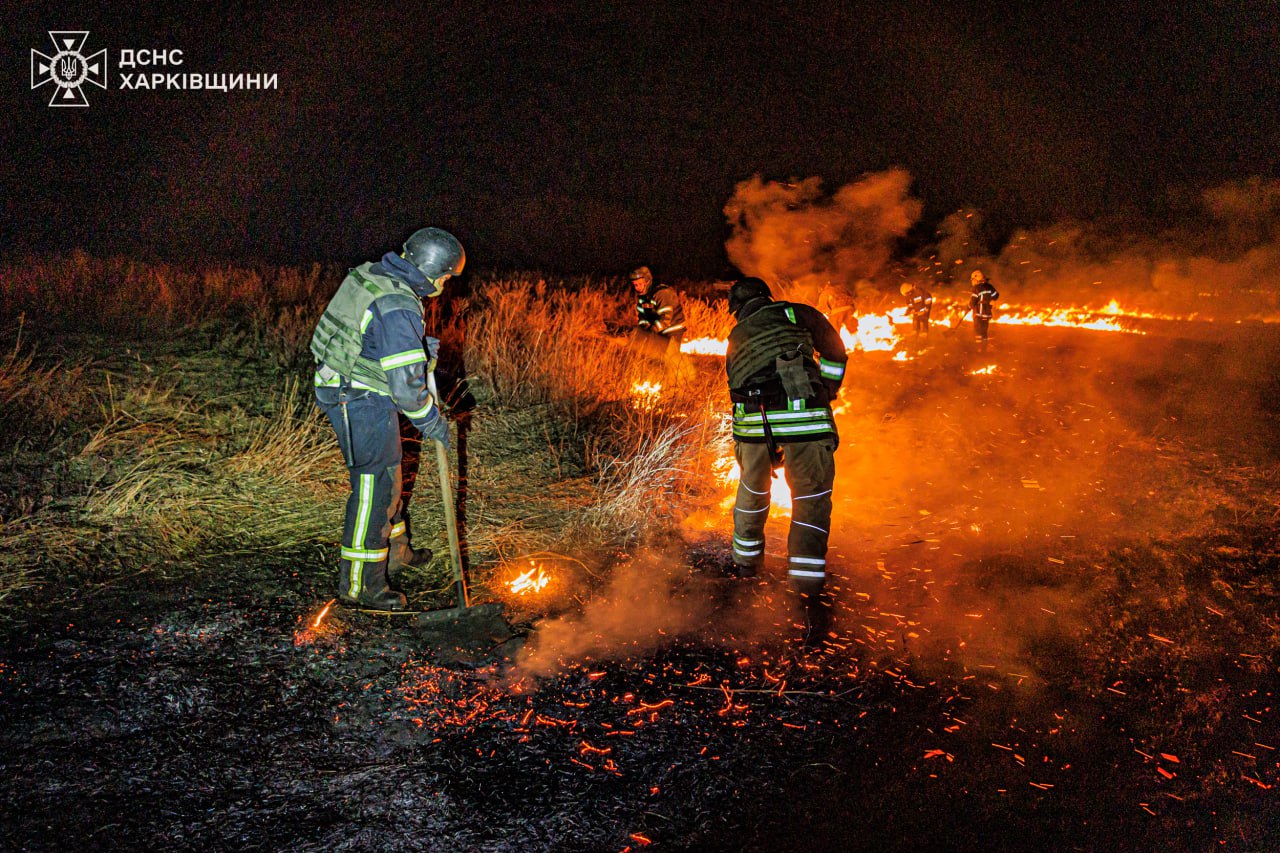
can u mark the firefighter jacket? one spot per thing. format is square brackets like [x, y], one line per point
[370, 337]
[982, 299]
[919, 302]
[659, 311]
[783, 358]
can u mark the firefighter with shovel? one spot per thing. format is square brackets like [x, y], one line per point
[785, 364]
[371, 362]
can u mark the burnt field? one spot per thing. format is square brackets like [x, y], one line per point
[1057, 628]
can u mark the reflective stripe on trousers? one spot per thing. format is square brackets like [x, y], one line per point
[373, 507]
[810, 471]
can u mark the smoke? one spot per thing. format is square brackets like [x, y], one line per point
[794, 233]
[1220, 260]
[645, 603]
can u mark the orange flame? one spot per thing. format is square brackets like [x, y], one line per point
[705, 346]
[323, 613]
[531, 581]
[646, 394]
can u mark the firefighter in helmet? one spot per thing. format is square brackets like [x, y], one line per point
[659, 321]
[371, 362]
[785, 364]
[982, 297]
[919, 305]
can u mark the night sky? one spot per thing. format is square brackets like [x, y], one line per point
[581, 137]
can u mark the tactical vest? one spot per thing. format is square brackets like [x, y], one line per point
[646, 309]
[756, 342]
[339, 336]
[752, 364]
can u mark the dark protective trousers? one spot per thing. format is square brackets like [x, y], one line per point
[980, 327]
[921, 323]
[810, 470]
[373, 524]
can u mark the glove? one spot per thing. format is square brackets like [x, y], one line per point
[437, 429]
[433, 352]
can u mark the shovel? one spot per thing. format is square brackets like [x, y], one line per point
[463, 608]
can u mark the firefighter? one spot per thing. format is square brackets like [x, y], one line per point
[981, 300]
[785, 364]
[371, 362]
[836, 303]
[919, 304]
[659, 322]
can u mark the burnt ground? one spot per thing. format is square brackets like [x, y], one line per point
[1057, 628]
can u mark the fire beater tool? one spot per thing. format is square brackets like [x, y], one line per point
[463, 609]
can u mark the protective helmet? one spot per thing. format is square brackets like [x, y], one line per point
[436, 253]
[641, 274]
[744, 290]
[905, 289]
[976, 277]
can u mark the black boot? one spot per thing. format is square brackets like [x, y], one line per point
[372, 591]
[401, 555]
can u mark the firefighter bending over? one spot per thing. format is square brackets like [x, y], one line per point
[371, 363]
[981, 301]
[785, 364]
[919, 304]
[659, 321]
[838, 306]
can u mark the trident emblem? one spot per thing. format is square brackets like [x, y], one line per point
[68, 69]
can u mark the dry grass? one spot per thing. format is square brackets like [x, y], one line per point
[219, 453]
[183, 494]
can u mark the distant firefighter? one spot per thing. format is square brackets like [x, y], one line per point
[370, 363]
[838, 306]
[659, 320]
[981, 300]
[919, 304]
[785, 364]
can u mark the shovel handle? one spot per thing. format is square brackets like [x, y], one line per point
[450, 512]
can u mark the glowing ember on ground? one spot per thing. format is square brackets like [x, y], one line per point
[312, 629]
[531, 581]
[983, 371]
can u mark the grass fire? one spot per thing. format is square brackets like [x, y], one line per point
[1050, 566]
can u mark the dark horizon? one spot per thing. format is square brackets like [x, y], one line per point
[559, 138]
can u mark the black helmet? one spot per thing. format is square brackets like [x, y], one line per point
[744, 290]
[435, 252]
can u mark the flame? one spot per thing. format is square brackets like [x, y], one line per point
[646, 394]
[875, 334]
[983, 371]
[1062, 317]
[728, 472]
[531, 581]
[323, 613]
[705, 346]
